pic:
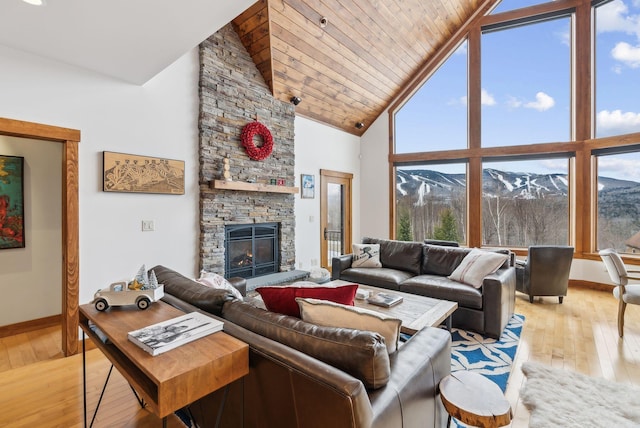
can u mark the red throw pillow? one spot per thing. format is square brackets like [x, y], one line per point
[283, 299]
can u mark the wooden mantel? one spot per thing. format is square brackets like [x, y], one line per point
[251, 187]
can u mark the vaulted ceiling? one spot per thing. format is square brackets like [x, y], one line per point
[347, 59]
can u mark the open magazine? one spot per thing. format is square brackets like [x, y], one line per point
[166, 335]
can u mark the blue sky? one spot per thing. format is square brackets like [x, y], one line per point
[525, 89]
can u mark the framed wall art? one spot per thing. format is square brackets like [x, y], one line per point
[11, 202]
[142, 174]
[308, 186]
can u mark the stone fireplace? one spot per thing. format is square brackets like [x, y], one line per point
[232, 94]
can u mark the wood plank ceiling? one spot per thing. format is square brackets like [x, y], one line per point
[346, 59]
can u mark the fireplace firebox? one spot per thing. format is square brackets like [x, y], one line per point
[251, 250]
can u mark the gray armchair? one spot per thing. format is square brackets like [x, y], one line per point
[545, 272]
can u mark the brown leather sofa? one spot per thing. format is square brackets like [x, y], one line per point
[419, 268]
[306, 376]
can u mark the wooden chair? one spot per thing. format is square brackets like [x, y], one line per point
[624, 292]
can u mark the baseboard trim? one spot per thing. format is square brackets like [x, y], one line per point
[590, 284]
[31, 325]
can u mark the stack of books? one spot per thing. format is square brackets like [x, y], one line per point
[167, 335]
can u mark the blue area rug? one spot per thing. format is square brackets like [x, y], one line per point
[491, 358]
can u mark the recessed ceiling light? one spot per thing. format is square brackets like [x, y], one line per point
[35, 2]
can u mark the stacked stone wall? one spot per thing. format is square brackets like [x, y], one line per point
[232, 94]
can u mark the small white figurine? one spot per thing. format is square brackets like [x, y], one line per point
[226, 173]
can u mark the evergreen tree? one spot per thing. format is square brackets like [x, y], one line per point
[404, 227]
[447, 230]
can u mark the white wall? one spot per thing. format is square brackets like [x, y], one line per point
[321, 147]
[32, 276]
[375, 198]
[157, 119]
[374, 191]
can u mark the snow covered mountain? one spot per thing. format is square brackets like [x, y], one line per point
[526, 185]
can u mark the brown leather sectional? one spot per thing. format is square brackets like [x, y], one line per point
[419, 268]
[306, 376]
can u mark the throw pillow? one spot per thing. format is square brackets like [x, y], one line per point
[214, 280]
[329, 314]
[366, 255]
[283, 299]
[476, 265]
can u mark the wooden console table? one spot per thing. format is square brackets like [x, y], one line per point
[174, 379]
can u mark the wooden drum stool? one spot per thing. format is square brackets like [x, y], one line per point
[475, 400]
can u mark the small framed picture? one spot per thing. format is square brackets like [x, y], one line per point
[308, 187]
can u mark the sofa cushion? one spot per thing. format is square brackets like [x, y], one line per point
[440, 287]
[442, 260]
[206, 298]
[476, 265]
[330, 314]
[283, 299]
[366, 255]
[362, 354]
[380, 277]
[400, 255]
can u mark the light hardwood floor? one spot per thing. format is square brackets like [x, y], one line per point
[40, 388]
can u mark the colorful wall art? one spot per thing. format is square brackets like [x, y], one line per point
[11, 202]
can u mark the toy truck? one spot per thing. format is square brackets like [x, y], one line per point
[119, 295]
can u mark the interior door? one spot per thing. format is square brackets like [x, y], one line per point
[335, 215]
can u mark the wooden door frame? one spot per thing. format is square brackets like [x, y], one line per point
[70, 218]
[324, 174]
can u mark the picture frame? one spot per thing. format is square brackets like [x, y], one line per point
[129, 173]
[307, 186]
[11, 202]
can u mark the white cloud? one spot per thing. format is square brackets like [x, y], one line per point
[624, 169]
[627, 54]
[616, 122]
[615, 16]
[543, 102]
[486, 98]
[513, 102]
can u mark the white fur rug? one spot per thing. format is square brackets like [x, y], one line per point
[560, 398]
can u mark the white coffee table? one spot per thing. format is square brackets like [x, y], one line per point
[415, 311]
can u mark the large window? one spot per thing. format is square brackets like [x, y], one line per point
[525, 203]
[431, 202]
[526, 75]
[618, 184]
[553, 131]
[617, 55]
[435, 118]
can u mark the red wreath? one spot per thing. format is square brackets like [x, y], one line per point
[248, 132]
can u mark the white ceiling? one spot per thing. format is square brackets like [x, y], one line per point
[131, 40]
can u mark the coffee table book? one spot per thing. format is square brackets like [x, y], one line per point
[164, 336]
[386, 300]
